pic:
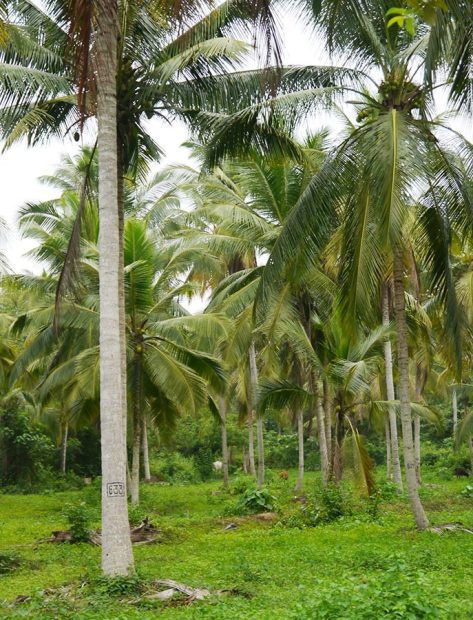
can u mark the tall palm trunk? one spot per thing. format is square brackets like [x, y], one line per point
[65, 433]
[406, 418]
[259, 418]
[117, 557]
[223, 427]
[388, 365]
[454, 411]
[319, 409]
[418, 396]
[137, 430]
[328, 424]
[135, 459]
[387, 434]
[145, 450]
[251, 441]
[300, 438]
[470, 448]
[121, 282]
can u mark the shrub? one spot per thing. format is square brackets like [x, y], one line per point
[26, 449]
[203, 459]
[307, 515]
[79, 518]
[173, 467]
[240, 484]
[136, 514]
[444, 458]
[467, 491]
[256, 500]
[333, 502]
[387, 490]
[119, 585]
[9, 561]
[373, 508]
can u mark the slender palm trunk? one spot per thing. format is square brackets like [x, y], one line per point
[117, 557]
[454, 411]
[387, 433]
[137, 429]
[328, 424]
[135, 463]
[300, 438]
[406, 418]
[260, 443]
[418, 397]
[417, 452]
[223, 427]
[259, 418]
[324, 462]
[244, 460]
[65, 433]
[388, 364]
[251, 441]
[145, 450]
[470, 448]
[121, 282]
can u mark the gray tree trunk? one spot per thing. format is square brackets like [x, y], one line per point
[117, 557]
[65, 433]
[454, 411]
[324, 462]
[406, 418]
[259, 419]
[251, 441]
[328, 423]
[470, 447]
[388, 364]
[417, 448]
[387, 433]
[300, 438]
[145, 449]
[223, 427]
[244, 460]
[418, 398]
[121, 282]
[135, 462]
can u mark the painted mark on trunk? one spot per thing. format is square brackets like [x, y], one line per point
[115, 489]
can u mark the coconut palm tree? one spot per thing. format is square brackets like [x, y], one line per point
[168, 367]
[369, 183]
[243, 205]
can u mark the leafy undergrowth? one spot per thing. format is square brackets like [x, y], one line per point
[334, 556]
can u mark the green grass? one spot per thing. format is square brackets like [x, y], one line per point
[272, 571]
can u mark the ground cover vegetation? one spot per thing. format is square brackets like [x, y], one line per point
[300, 446]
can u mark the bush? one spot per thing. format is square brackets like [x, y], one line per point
[444, 458]
[307, 515]
[240, 484]
[9, 561]
[387, 490]
[27, 451]
[173, 467]
[333, 502]
[203, 459]
[256, 500]
[79, 518]
[119, 586]
[467, 491]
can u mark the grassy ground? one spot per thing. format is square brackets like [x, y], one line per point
[355, 567]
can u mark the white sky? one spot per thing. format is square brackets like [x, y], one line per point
[20, 166]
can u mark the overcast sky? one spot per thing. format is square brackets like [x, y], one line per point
[20, 167]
